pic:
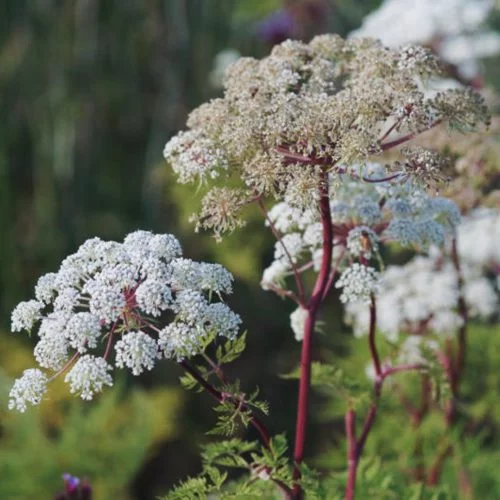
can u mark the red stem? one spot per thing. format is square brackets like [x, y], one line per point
[259, 426]
[312, 308]
[371, 338]
[383, 179]
[406, 138]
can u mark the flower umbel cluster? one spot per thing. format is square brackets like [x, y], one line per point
[365, 215]
[120, 294]
[311, 109]
[422, 297]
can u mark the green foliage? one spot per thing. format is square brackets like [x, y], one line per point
[106, 442]
[267, 469]
[231, 350]
[236, 409]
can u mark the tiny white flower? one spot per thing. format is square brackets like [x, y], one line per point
[137, 351]
[190, 306]
[83, 331]
[361, 242]
[222, 320]
[25, 315]
[88, 376]
[179, 340]
[216, 278]
[164, 246]
[153, 296]
[274, 274]
[46, 287]
[51, 351]
[30, 388]
[358, 283]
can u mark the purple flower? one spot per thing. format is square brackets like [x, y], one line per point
[277, 27]
[74, 489]
[71, 483]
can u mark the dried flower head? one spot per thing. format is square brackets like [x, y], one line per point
[310, 109]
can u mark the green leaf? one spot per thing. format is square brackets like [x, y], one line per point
[231, 349]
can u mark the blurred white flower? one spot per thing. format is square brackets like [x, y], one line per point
[297, 322]
[222, 61]
[455, 28]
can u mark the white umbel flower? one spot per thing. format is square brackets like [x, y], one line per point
[83, 331]
[30, 388]
[216, 278]
[361, 242]
[25, 315]
[274, 274]
[190, 306]
[153, 297]
[137, 351]
[222, 320]
[107, 289]
[179, 340]
[51, 351]
[88, 376]
[46, 287]
[193, 156]
[358, 283]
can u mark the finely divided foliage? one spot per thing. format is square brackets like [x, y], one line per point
[109, 291]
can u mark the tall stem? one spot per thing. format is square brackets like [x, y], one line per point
[371, 338]
[312, 309]
[355, 446]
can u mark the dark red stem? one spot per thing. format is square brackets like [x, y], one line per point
[371, 338]
[401, 140]
[257, 424]
[312, 308]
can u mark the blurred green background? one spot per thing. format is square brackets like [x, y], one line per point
[90, 91]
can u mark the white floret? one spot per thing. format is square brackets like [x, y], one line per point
[88, 376]
[83, 331]
[222, 320]
[137, 351]
[358, 283]
[153, 296]
[25, 315]
[30, 388]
